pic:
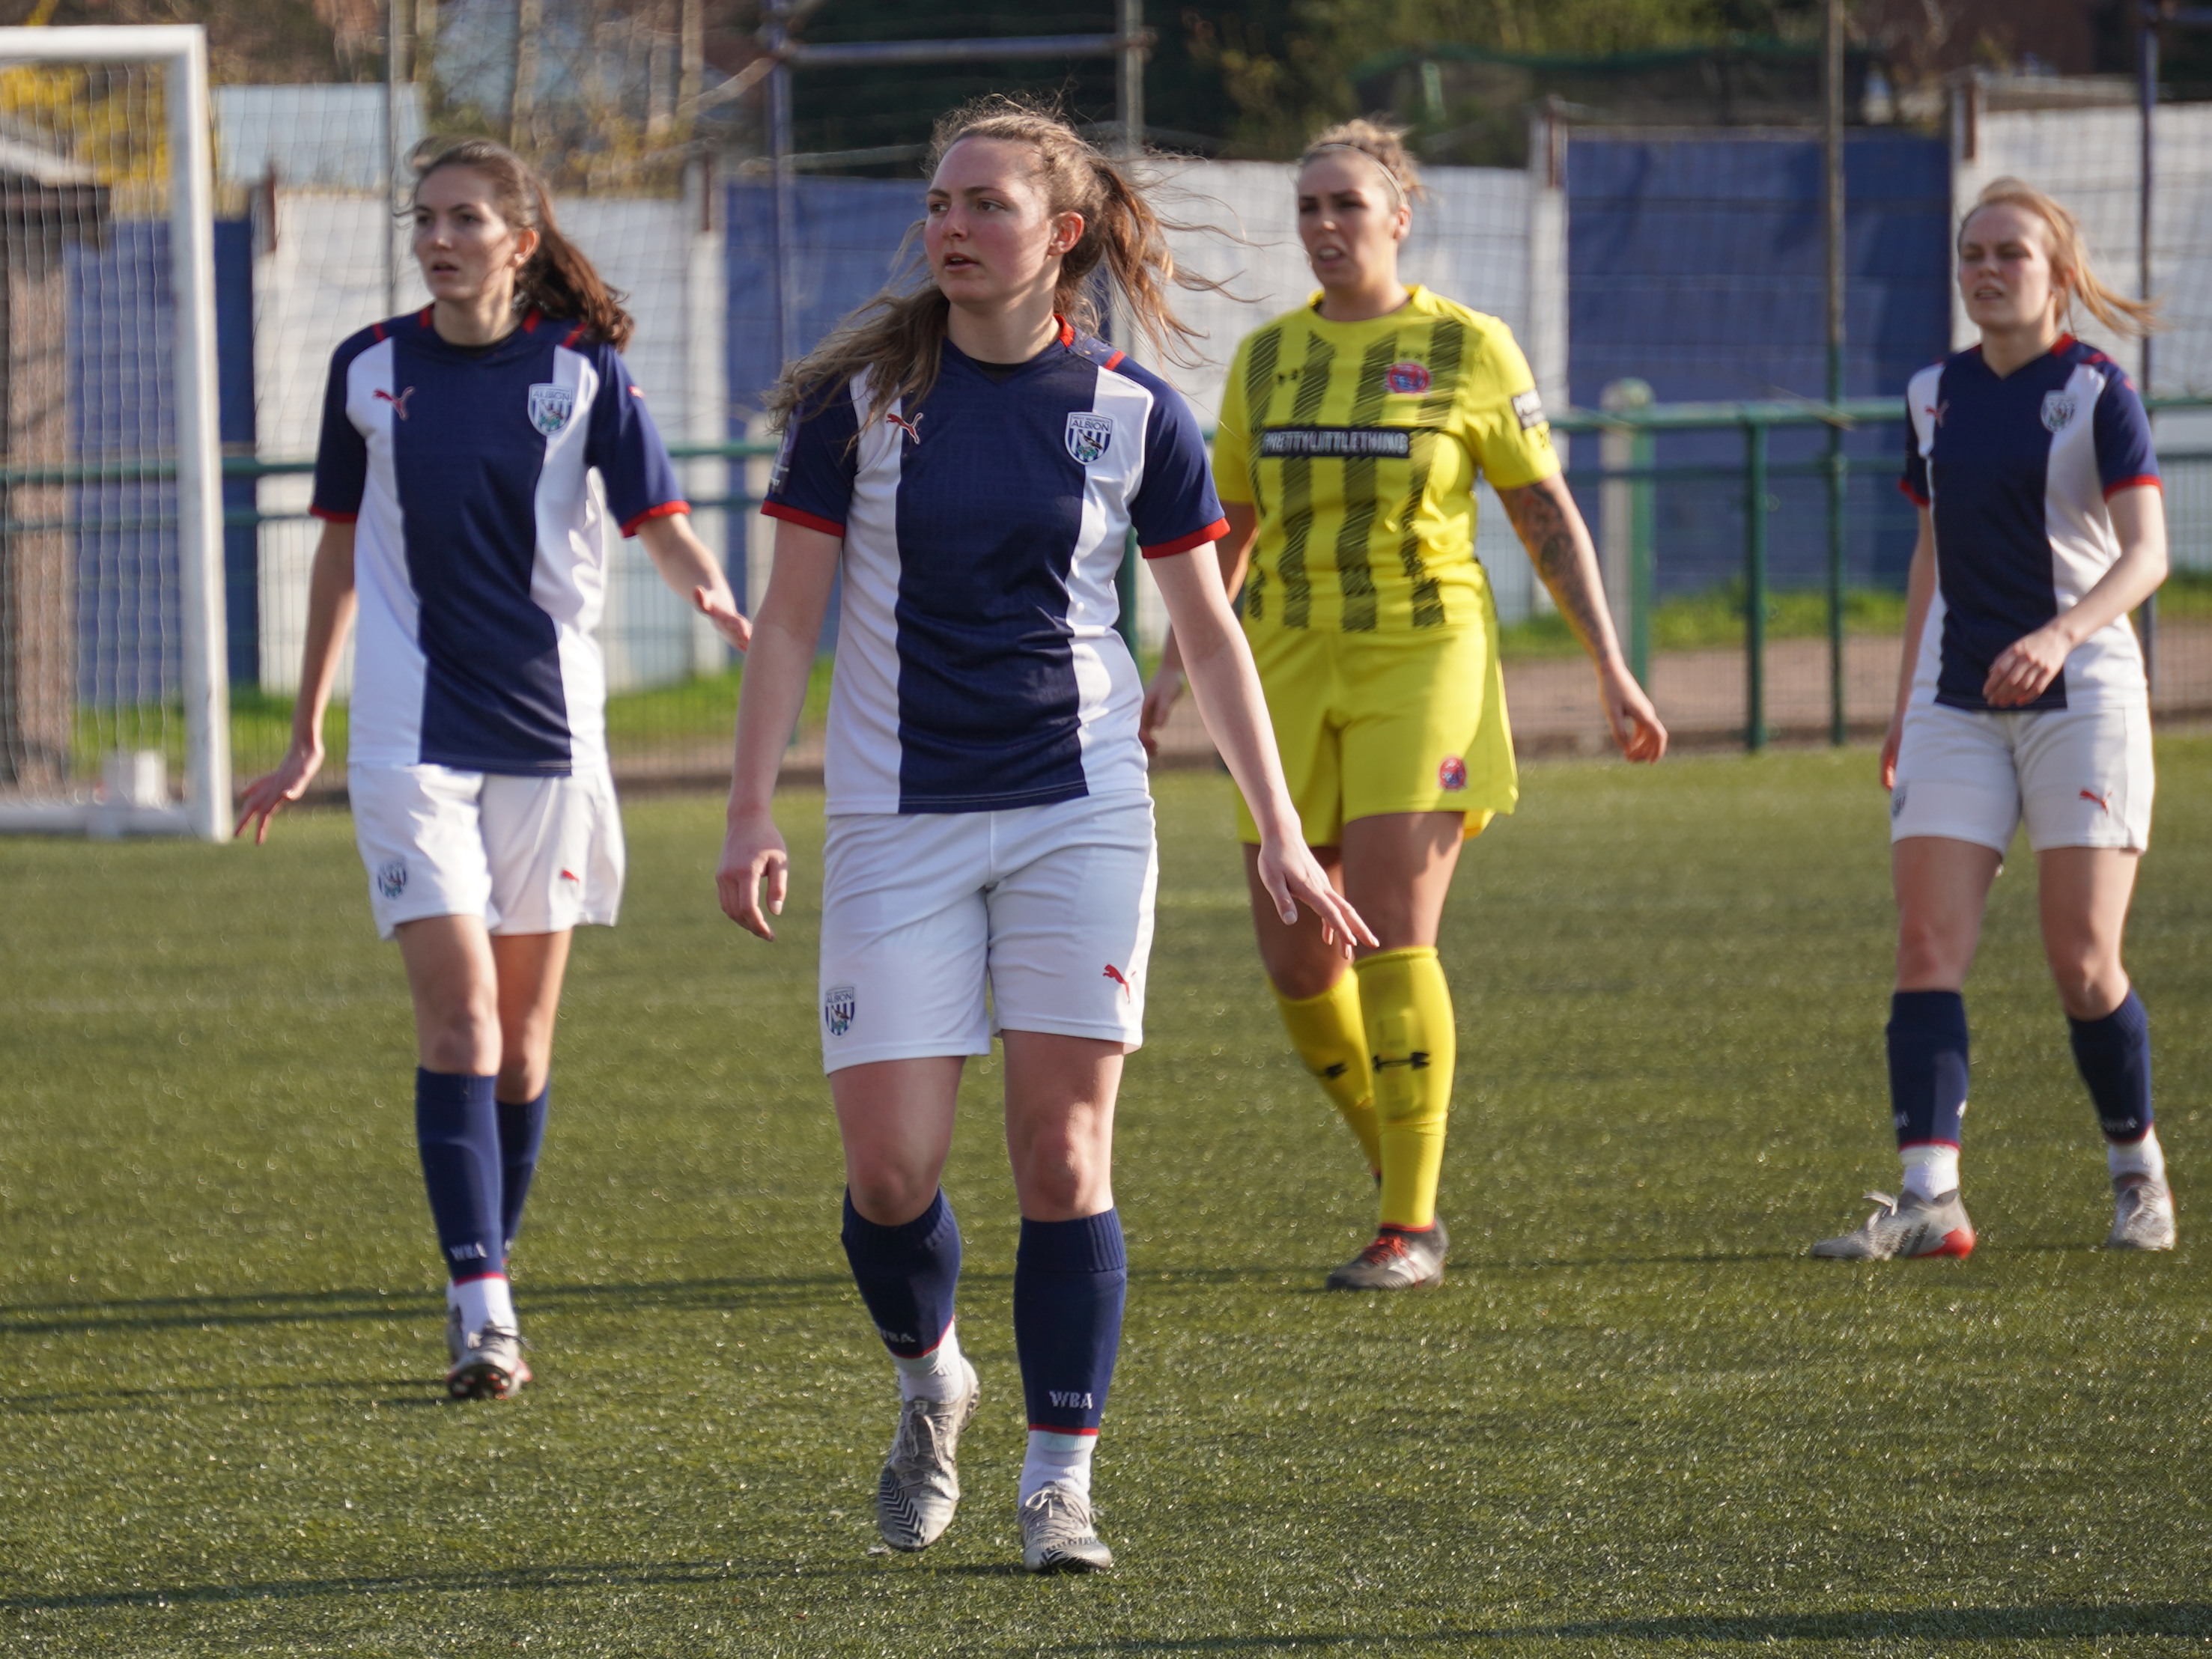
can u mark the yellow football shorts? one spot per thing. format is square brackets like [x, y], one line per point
[1370, 723]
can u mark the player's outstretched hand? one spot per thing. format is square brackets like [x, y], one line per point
[1292, 876]
[260, 801]
[753, 857]
[1634, 722]
[2024, 669]
[1160, 698]
[721, 610]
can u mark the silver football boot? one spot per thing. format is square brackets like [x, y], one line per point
[489, 1365]
[1057, 1535]
[920, 1487]
[2142, 1214]
[1397, 1260]
[1909, 1227]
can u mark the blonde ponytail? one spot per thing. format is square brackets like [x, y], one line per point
[2070, 258]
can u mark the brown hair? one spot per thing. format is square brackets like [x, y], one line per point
[897, 338]
[2069, 257]
[558, 280]
[1383, 145]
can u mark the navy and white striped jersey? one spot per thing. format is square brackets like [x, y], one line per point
[978, 663]
[2015, 471]
[482, 481]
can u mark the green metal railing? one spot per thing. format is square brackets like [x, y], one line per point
[1757, 420]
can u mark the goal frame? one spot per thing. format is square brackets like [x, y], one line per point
[180, 51]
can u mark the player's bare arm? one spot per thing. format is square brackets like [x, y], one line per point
[690, 570]
[754, 862]
[331, 606]
[1550, 527]
[1234, 552]
[1919, 595]
[1227, 687]
[2020, 673]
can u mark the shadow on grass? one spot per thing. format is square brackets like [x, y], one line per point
[2063, 1620]
[69, 1402]
[283, 1308]
[618, 1575]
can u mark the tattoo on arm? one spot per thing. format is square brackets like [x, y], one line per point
[1559, 546]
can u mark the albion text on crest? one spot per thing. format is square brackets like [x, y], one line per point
[1088, 436]
[551, 406]
[2057, 411]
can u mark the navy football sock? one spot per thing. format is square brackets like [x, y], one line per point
[522, 1132]
[1928, 1066]
[457, 1130]
[1071, 1279]
[907, 1274]
[2114, 1055]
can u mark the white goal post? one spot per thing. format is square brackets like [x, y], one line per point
[56, 793]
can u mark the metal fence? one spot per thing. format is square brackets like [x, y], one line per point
[1742, 663]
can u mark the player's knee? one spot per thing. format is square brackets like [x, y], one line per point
[1058, 1171]
[461, 1037]
[1930, 955]
[888, 1192]
[2091, 983]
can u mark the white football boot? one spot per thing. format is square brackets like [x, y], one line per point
[489, 1366]
[1911, 1227]
[920, 1487]
[2142, 1214]
[1057, 1535]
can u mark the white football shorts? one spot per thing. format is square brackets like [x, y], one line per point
[2081, 777]
[1048, 907]
[528, 854]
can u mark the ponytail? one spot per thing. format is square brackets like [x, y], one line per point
[897, 338]
[558, 280]
[2070, 258]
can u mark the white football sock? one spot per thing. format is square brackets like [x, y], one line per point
[1058, 1460]
[2143, 1156]
[937, 1374]
[486, 1301]
[1930, 1171]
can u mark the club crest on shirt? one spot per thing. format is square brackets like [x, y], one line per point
[551, 406]
[839, 1004]
[2057, 411]
[1407, 377]
[1088, 436]
[391, 878]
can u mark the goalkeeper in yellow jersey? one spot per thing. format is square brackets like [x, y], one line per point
[1352, 433]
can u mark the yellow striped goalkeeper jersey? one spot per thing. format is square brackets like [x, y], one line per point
[1359, 443]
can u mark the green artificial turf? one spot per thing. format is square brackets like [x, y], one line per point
[1635, 1420]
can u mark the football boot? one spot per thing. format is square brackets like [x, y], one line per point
[2142, 1214]
[1398, 1259]
[920, 1487]
[1057, 1534]
[1911, 1226]
[490, 1367]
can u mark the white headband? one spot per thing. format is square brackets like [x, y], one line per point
[1397, 189]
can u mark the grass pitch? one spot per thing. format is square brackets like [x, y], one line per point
[1634, 1420]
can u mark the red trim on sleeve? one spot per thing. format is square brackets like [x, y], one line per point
[1910, 493]
[1066, 330]
[377, 329]
[665, 510]
[423, 316]
[2149, 478]
[576, 334]
[529, 323]
[325, 512]
[1115, 362]
[806, 520]
[1212, 532]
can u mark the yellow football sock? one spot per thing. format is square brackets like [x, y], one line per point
[1331, 1037]
[1414, 1042]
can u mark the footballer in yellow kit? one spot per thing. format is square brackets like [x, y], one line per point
[1352, 434]
[1358, 444]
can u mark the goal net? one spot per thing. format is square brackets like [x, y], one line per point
[112, 702]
